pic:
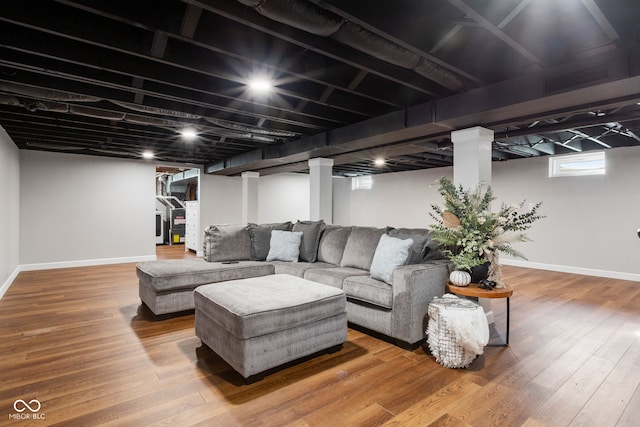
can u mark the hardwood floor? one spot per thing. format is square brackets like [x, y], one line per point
[79, 342]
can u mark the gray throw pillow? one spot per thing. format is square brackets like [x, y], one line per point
[284, 246]
[261, 237]
[419, 247]
[226, 243]
[311, 231]
[391, 253]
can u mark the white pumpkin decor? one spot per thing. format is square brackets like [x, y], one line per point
[459, 278]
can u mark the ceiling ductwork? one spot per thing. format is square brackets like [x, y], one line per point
[48, 94]
[251, 129]
[159, 111]
[309, 17]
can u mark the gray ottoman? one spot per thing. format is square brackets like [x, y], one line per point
[264, 322]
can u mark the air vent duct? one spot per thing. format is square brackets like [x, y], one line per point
[311, 18]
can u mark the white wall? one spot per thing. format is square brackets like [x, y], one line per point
[84, 210]
[10, 212]
[399, 199]
[591, 221]
[283, 197]
[220, 200]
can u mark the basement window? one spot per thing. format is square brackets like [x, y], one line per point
[361, 183]
[577, 164]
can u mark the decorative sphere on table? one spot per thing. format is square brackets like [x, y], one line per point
[460, 278]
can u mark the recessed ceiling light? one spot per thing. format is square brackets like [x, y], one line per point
[260, 85]
[189, 134]
[379, 161]
[148, 155]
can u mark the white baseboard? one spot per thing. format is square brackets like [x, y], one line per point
[573, 270]
[5, 286]
[85, 263]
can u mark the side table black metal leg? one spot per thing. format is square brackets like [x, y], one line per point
[506, 341]
[508, 312]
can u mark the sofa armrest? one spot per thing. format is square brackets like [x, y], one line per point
[414, 287]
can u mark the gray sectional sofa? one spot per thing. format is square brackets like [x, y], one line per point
[388, 290]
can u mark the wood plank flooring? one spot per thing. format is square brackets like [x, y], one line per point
[79, 341]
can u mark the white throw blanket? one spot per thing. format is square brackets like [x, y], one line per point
[458, 330]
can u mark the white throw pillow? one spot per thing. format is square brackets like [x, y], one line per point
[284, 246]
[391, 252]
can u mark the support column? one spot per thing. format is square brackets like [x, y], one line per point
[471, 167]
[250, 197]
[472, 156]
[321, 190]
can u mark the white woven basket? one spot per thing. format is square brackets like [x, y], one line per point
[441, 337]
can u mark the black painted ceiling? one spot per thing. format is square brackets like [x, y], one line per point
[353, 80]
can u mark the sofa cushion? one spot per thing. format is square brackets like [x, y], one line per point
[261, 237]
[420, 241]
[227, 243]
[333, 276]
[311, 231]
[391, 252]
[369, 290]
[297, 268]
[360, 247]
[332, 243]
[432, 249]
[284, 246]
[175, 274]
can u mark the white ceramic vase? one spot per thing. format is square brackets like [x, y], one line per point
[459, 278]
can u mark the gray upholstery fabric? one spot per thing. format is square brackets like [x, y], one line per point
[167, 286]
[369, 290]
[261, 236]
[332, 243]
[284, 246]
[311, 231]
[414, 286]
[297, 268]
[259, 324]
[255, 355]
[391, 252]
[163, 303]
[432, 249]
[263, 305]
[227, 243]
[333, 276]
[420, 241]
[360, 247]
[169, 275]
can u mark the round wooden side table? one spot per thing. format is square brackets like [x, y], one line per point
[474, 291]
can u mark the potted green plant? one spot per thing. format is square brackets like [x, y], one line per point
[472, 235]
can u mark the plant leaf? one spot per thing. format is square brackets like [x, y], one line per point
[450, 220]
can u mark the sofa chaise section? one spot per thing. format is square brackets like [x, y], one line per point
[167, 286]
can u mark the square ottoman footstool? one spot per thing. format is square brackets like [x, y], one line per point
[260, 323]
